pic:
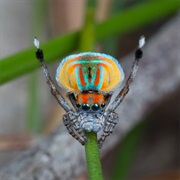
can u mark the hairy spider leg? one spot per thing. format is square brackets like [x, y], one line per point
[138, 55]
[110, 123]
[55, 92]
[71, 123]
[72, 127]
[112, 118]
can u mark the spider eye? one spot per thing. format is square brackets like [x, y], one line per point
[78, 105]
[103, 105]
[85, 107]
[95, 107]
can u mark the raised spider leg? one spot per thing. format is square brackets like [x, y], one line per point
[68, 119]
[72, 98]
[55, 92]
[112, 117]
[110, 122]
[138, 55]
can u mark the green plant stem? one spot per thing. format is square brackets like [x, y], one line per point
[86, 43]
[93, 158]
[125, 21]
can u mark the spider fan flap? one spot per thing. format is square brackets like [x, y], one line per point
[89, 71]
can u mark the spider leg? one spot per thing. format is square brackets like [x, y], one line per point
[107, 99]
[112, 117]
[69, 119]
[54, 91]
[72, 98]
[111, 121]
[138, 55]
[72, 125]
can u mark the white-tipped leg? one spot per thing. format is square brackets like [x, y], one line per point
[55, 92]
[138, 55]
[36, 42]
[141, 41]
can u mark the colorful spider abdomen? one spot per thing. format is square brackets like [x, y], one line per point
[89, 71]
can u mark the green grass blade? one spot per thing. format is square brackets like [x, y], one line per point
[110, 46]
[25, 61]
[135, 17]
[127, 20]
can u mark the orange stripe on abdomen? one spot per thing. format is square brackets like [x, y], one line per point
[83, 83]
[71, 68]
[97, 79]
[104, 66]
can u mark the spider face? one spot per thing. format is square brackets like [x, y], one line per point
[90, 121]
[90, 109]
[90, 102]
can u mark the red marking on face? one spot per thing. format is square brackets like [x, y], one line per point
[82, 98]
[98, 99]
[86, 98]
